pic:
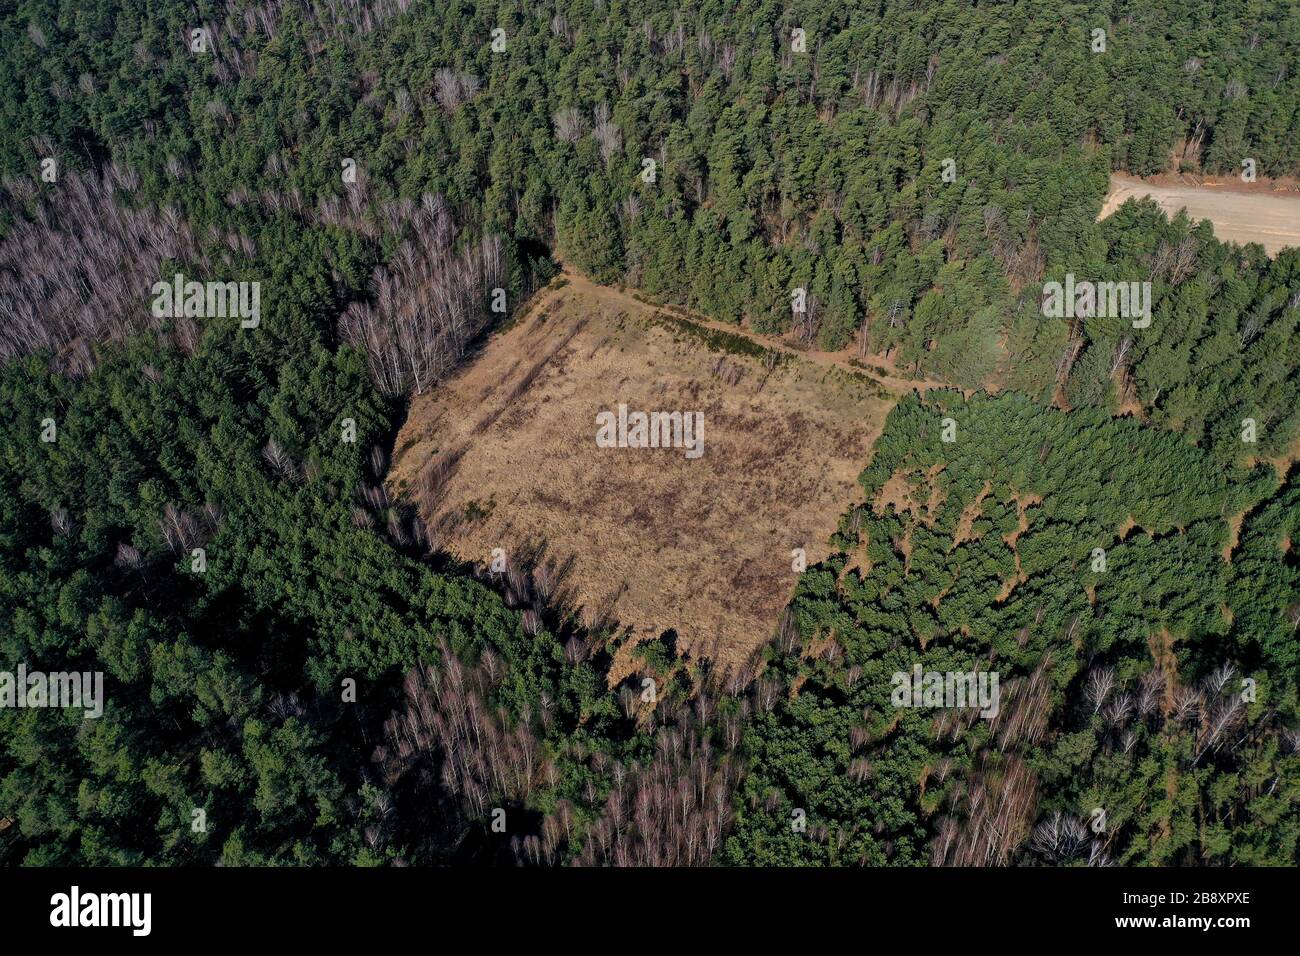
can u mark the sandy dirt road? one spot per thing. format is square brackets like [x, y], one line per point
[1271, 219]
[877, 367]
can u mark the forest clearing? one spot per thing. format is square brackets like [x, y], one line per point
[503, 455]
[1239, 213]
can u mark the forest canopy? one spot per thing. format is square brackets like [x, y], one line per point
[295, 672]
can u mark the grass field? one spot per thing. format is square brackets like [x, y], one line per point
[504, 455]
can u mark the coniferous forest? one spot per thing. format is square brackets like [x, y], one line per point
[296, 672]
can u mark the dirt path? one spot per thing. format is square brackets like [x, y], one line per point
[1239, 215]
[877, 367]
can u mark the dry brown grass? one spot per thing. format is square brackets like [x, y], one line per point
[504, 455]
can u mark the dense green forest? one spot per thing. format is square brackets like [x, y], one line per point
[297, 675]
[991, 563]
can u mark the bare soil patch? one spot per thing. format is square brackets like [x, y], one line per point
[1267, 213]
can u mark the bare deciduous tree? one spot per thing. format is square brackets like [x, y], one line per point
[98, 287]
[452, 89]
[429, 302]
[1101, 682]
[180, 530]
[568, 125]
[61, 522]
[129, 557]
[279, 459]
[607, 133]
